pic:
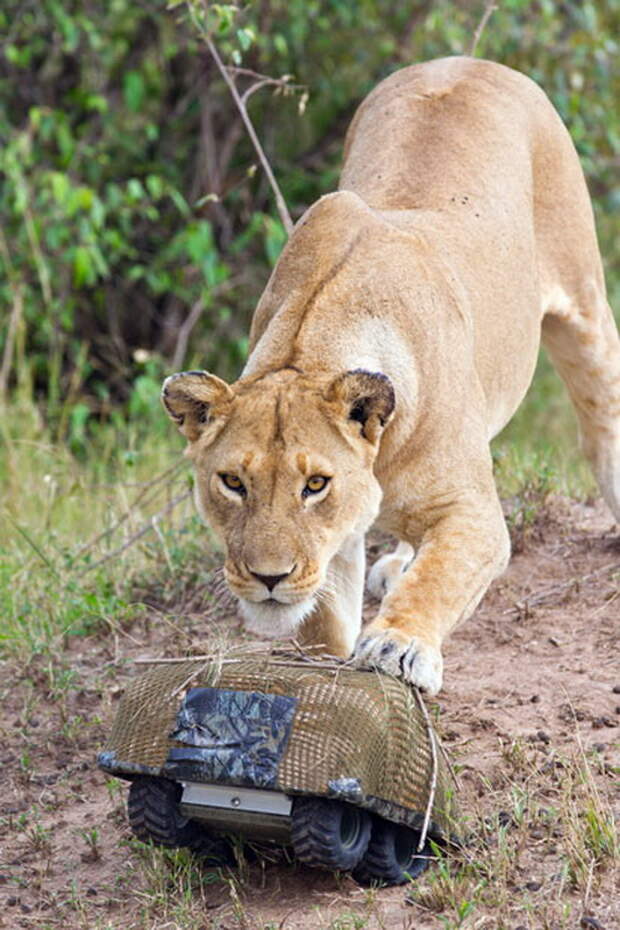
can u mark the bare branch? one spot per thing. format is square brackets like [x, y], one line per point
[283, 83]
[7, 355]
[552, 593]
[16, 288]
[149, 486]
[252, 90]
[184, 333]
[489, 9]
[149, 526]
[280, 202]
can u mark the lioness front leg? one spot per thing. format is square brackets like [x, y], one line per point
[334, 624]
[464, 548]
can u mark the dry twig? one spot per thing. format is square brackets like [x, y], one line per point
[185, 330]
[147, 527]
[262, 80]
[433, 786]
[7, 355]
[91, 543]
[489, 8]
[552, 593]
[285, 216]
[15, 317]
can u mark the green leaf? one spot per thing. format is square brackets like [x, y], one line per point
[83, 268]
[246, 38]
[280, 44]
[135, 189]
[61, 186]
[275, 238]
[155, 186]
[134, 90]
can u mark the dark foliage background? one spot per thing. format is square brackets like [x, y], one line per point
[129, 191]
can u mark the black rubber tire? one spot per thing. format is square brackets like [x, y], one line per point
[392, 857]
[153, 809]
[329, 834]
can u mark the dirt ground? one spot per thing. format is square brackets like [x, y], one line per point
[533, 680]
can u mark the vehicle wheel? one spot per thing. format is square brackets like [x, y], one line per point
[153, 808]
[329, 834]
[392, 857]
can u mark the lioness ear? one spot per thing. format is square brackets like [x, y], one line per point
[368, 397]
[189, 396]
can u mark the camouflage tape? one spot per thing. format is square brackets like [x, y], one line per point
[230, 737]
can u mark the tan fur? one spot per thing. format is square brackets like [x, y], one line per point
[462, 229]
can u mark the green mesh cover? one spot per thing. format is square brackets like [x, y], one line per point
[356, 735]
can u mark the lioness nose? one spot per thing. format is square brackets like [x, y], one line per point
[270, 581]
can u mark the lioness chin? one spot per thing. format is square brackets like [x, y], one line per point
[397, 335]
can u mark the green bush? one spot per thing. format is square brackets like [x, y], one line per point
[129, 190]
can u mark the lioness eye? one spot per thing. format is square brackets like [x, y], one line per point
[233, 483]
[315, 484]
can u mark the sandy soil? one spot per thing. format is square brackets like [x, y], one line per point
[531, 680]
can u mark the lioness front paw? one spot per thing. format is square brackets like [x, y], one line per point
[413, 660]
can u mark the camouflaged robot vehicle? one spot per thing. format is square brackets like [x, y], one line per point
[333, 762]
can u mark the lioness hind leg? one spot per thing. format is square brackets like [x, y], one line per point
[386, 571]
[583, 342]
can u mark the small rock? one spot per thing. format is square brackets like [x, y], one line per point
[533, 886]
[616, 689]
[12, 900]
[599, 722]
[504, 819]
[591, 923]
[535, 698]
[91, 892]
[542, 736]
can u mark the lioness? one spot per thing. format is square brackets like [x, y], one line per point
[397, 335]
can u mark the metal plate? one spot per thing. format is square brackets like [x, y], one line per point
[262, 815]
[246, 799]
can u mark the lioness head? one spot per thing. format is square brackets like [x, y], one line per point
[284, 475]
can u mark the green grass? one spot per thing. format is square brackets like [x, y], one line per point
[541, 442]
[563, 812]
[78, 541]
[79, 532]
[79, 556]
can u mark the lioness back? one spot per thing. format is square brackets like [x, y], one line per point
[480, 157]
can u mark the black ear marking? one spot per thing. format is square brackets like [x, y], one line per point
[369, 397]
[361, 410]
[189, 396]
